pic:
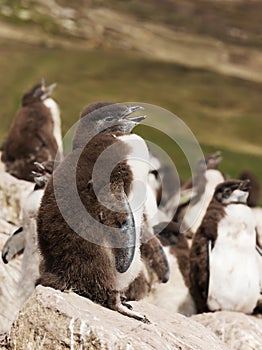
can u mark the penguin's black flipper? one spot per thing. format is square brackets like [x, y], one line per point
[124, 255]
[259, 250]
[14, 245]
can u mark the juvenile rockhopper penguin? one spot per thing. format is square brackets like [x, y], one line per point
[89, 225]
[207, 176]
[35, 134]
[224, 263]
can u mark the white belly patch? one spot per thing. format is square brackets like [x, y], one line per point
[51, 104]
[233, 265]
[138, 161]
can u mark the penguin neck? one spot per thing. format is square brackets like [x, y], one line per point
[197, 211]
[55, 112]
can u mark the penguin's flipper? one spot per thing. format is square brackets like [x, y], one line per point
[259, 250]
[125, 254]
[14, 245]
[153, 254]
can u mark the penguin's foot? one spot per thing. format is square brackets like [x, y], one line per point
[116, 304]
[123, 301]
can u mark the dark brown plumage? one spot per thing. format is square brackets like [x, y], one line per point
[80, 251]
[31, 137]
[171, 237]
[199, 274]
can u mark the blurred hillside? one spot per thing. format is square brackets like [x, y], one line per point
[201, 60]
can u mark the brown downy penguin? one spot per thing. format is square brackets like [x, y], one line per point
[207, 176]
[35, 134]
[90, 244]
[224, 266]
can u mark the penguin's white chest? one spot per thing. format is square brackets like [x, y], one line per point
[138, 162]
[233, 264]
[196, 212]
[51, 104]
[174, 295]
[32, 204]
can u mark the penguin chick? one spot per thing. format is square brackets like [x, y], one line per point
[224, 267]
[86, 246]
[207, 176]
[174, 296]
[35, 134]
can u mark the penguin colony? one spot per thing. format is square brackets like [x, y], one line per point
[118, 245]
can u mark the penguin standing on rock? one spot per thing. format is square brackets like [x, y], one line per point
[224, 264]
[89, 226]
[35, 134]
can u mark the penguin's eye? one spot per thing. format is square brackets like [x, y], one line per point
[226, 193]
[109, 119]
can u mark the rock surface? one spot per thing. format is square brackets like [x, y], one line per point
[55, 320]
[237, 330]
[9, 276]
[12, 195]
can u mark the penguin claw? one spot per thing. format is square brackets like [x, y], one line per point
[130, 307]
[115, 303]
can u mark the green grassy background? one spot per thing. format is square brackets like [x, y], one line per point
[223, 112]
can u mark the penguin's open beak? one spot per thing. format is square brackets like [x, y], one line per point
[48, 91]
[131, 110]
[213, 160]
[244, 185]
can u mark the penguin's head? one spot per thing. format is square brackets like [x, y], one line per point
[168, 233]
[209, 162]
[38, 93]
[213, 160]
[113, 118]
[232, 191]
[43, 172]
[105, 118]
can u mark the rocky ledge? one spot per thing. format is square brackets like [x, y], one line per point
[55, 320]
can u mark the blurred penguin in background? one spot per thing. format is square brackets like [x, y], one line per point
[207, 176]
[225, 267]
[35, 134]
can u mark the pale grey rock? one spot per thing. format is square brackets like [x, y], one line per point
[13, 192]
[237, 330]
[54, 320]
[9, 276]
